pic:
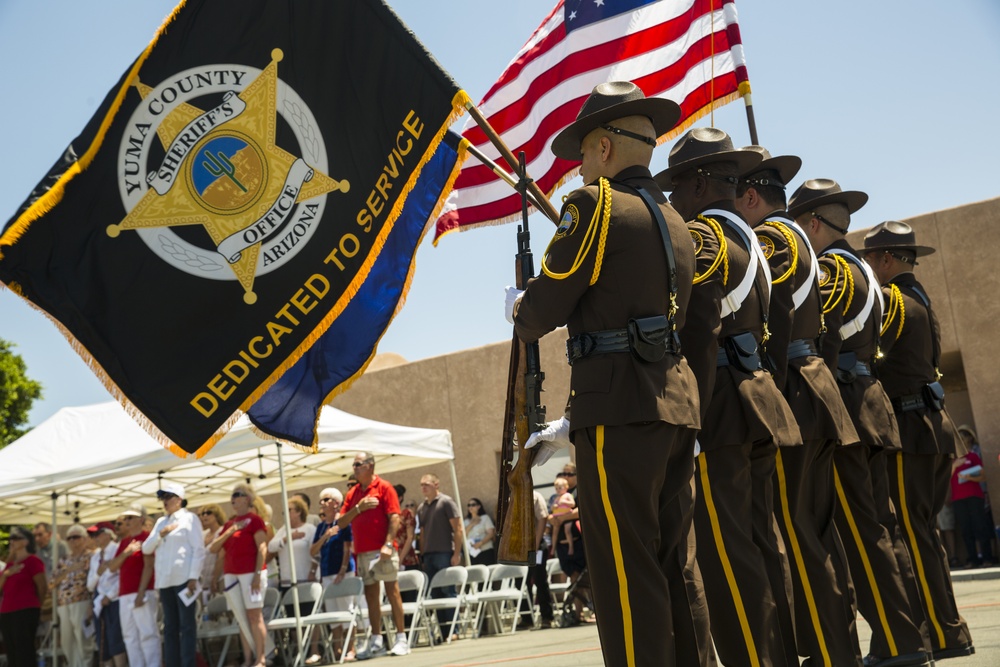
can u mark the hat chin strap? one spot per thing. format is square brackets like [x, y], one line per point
[630, 135]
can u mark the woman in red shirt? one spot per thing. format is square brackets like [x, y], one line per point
[243, 543]
[969, 505]
[23, 586]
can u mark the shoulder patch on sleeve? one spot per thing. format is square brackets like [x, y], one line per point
[824, 275]
[568, 222]
[697, 240]
[766, 246]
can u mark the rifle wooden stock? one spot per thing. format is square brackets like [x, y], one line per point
[523, 414]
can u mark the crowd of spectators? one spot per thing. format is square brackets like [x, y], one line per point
[131, 590]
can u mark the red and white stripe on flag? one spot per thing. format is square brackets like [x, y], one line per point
[688, 51]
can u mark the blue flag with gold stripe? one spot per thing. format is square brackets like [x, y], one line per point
[290, 409]
[231, 199]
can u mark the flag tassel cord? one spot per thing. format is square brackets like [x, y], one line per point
[538, 197]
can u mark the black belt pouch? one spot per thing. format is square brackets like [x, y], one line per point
[647, 337]
[741, 350]
[934, 396]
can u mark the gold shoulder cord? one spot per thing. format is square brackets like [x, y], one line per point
[839, 289]
[895, 306]
[793, 246]
[602, 213]
[721, 258]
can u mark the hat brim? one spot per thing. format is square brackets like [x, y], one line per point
[920, 250]
[787, 167]
[853, 199]
[663, 113]
[744, 160]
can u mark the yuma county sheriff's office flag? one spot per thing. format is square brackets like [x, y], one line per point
[290, 408]
[228, 201]
[688, 51]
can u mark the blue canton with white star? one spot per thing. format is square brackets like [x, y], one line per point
[581, 13]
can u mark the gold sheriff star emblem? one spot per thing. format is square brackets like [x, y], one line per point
[223, 171]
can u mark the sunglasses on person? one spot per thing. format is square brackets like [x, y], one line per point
[569, 474]
[328, 500]
[357, 464]
[239, 494]
[75, 537]
[473, 505]
[166, 496]
[204, 513]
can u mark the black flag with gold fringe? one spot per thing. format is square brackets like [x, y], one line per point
[228, 200]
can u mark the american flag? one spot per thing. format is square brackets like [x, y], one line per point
[688, 51]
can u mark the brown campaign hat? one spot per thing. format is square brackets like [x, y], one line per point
[822, 191]
[786, 166]
[610, 101]
[895, 235]
[703, 145]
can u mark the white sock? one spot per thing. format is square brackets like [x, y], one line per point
[400, 636]
[377, 640]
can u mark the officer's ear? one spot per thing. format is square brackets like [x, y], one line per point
[606, 148]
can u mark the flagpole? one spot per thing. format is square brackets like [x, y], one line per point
[750, 119]
[498, 170]
[539, 199]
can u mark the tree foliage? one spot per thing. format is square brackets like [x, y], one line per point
[17, 393]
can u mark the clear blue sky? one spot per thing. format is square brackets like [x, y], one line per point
[895, 98]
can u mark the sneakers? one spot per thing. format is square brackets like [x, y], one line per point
[372, 650]
[313, 659]
[401, 647]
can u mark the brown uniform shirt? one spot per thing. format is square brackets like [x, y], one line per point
[737, 407]
[806, 382]
[910, 342]
[616, 389]
[844, 291]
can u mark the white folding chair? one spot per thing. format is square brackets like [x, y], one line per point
[455, 576]
[478, 577]
[557, 589]
[219, 626]
[350, 587]
[503, 601]
[408, 580]
[309, 593]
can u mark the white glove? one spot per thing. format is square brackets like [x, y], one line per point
[553, 437]
[513, 294]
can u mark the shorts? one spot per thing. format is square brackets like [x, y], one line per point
[571, 564]
[111, 640]
[384, 570]
[251, 600]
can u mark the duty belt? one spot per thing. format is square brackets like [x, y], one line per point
[861, 369]
[596, 342]
[909, 402]
[802, 347]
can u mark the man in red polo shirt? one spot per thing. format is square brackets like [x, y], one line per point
[137, 604]
[372, 509]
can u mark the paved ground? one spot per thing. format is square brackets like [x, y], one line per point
[977, 592]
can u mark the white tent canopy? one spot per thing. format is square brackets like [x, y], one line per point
[99, 461]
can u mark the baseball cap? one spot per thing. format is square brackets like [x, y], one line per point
[171, 487]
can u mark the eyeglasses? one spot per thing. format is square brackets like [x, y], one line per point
[569, 474]
[473, 505]
[329, 500]
[239, 494]
[204, 513]
[75, 537]
[166, 496]
[358, 464]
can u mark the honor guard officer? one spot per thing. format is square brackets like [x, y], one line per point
[618, 273]
[744, 417]
[919, 474]
[852, 308]
[804, 497]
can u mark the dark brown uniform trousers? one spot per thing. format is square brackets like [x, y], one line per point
[804, 505]
[731, 530]
[635, 508]
[917, 507]
[881, 596]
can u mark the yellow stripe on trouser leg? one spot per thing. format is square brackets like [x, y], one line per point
[793, 539]
[720, 546]
[864, 559]
[918, 562]
[617, 549]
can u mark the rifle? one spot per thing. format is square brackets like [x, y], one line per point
[523, 414]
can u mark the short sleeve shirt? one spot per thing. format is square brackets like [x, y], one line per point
[19, 590]
[241, 547]
[435, 523]
[131, 570]
[370, 528]
[331, 554]
[961, 490]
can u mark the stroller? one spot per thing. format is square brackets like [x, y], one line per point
[579, 590]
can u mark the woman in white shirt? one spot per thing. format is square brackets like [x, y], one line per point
[212, 521]
[302, 538]
[179, 553]
[479, 533]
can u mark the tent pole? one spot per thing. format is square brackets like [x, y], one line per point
[54, 623]
[291, 555]
[458, 499]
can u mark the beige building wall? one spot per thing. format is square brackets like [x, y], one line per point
[464, 391]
